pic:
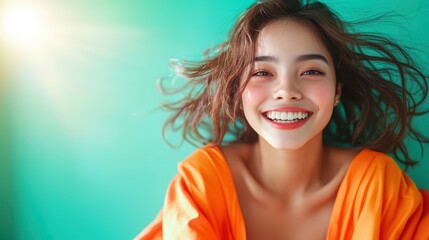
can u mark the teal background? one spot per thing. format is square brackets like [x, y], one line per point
[81, 154]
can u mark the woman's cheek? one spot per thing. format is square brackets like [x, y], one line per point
[324, 95]
[253, 95]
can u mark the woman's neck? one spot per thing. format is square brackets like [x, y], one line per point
[288, 174]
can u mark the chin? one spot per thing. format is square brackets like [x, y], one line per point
[285, 144]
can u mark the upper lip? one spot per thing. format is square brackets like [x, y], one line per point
[287, 109]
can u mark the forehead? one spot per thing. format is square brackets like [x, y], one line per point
[289, 38]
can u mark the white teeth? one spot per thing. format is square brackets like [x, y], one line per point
[287, 116]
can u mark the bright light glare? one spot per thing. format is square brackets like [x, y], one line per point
[22, 26]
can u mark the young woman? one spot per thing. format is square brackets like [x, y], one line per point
[313, 109]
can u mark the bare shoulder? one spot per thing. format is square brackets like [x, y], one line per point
[237, 152]
[346, 153]
[238, 157]
[342, 157]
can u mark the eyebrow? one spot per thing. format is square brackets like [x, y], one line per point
[300, 58]
[266, 59]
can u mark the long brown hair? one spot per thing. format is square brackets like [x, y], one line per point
[382, 87]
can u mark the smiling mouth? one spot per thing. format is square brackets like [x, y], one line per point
[286, 117]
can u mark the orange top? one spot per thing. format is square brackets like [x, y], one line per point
[376, 200]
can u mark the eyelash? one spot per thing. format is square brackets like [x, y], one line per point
[312, 72]
[261, 74]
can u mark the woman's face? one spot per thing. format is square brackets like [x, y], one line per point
[290, 96]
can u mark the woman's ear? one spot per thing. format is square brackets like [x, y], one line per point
[338, 93]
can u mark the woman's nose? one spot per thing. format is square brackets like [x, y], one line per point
[287, 90]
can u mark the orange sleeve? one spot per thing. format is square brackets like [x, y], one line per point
[377, 200]
[402, 206]
[422, 231]
[153, 231]
[195, 205]
[181, 218]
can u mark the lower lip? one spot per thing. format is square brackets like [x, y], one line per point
[287, 126]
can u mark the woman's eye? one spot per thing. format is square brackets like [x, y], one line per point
[261, 74]
[312, 72]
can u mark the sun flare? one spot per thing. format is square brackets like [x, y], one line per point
[22, 26]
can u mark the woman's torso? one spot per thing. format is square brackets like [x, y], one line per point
[268, 217]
